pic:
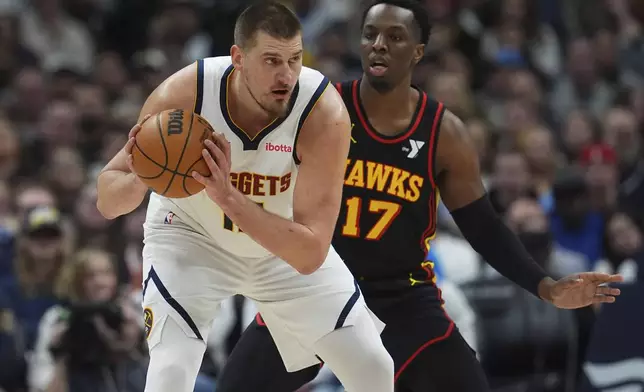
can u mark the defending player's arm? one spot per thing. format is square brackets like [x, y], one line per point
[323, 146]
[120, 191]
[459, 181]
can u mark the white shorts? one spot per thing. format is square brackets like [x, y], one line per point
[188, 277]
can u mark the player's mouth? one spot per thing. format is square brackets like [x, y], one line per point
[378, 67]
[280, 93]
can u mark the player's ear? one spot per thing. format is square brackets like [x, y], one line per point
[236, 56]
[419, 52]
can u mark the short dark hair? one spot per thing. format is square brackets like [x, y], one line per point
[271, 17]
[421, 16]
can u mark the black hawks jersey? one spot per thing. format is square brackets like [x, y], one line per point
[388, 216]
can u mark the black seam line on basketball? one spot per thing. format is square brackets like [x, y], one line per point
[165, 147]
[187, 175]
[183, 151]
[163, 168]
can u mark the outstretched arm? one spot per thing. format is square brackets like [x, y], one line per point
[323, 146]
[462, 191]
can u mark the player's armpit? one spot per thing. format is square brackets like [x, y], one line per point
[457, 164]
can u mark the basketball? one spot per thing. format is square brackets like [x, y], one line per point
[168, 149]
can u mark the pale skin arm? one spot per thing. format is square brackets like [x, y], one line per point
[323, 146]
[120, 191]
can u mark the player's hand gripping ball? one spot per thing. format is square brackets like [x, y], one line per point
[168, 149]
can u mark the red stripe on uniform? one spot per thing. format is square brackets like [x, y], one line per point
[432, 143]
[371, 132]
[421, 348]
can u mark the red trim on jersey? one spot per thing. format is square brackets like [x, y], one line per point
[338, 86]
[431, 221]
[433, 207]
[432, 143]
[409, 360]
[260, 320]
[374, 134]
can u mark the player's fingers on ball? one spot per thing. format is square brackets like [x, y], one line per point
[210, 162]
[200, 178]
[216, 152]
[133, 131]
[130, 145]
[145, 118]
[130, 163]
[221, 142]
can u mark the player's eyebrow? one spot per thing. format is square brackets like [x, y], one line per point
[275, 54]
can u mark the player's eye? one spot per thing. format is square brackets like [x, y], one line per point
[271, 61]
[395, 37]
[295, 59]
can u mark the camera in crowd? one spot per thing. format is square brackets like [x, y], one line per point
[82, 343]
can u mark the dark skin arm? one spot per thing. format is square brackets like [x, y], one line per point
[459, 182]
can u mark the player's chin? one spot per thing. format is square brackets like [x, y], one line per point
[278, 108]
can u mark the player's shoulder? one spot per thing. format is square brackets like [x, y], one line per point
[217, 64]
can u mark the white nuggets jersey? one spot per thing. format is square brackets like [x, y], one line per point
[264, 167]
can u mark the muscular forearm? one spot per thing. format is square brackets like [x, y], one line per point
[499, 246]
[293, 242]
[119, 193]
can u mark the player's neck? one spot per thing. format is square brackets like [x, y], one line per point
[244, 109]
[390, 102]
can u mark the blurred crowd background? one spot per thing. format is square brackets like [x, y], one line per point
[552, 92]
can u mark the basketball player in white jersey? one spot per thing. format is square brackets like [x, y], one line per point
[263, 225]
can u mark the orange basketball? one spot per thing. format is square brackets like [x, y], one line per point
[168, 149]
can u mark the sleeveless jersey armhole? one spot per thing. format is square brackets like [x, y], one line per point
[305, 114]
[199, 90]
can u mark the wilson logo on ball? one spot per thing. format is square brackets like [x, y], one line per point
[175, 122]
[278, 147]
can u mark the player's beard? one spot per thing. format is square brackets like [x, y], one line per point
[274, 109]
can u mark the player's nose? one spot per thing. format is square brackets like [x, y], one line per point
[286, 77]
[380, 43]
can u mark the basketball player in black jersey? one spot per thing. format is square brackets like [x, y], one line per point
[405, 148]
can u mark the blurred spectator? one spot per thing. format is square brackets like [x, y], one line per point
[526, 344]
[583, 86]
[579, 131]
[94, 336]
[543, 161]
[600, 162]
[12, 350]
[624, 248]
[9, 152]
[620, 130]
[510, 180]
[551, 92]
[55, 38]
[576, 228]
[39, 255]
